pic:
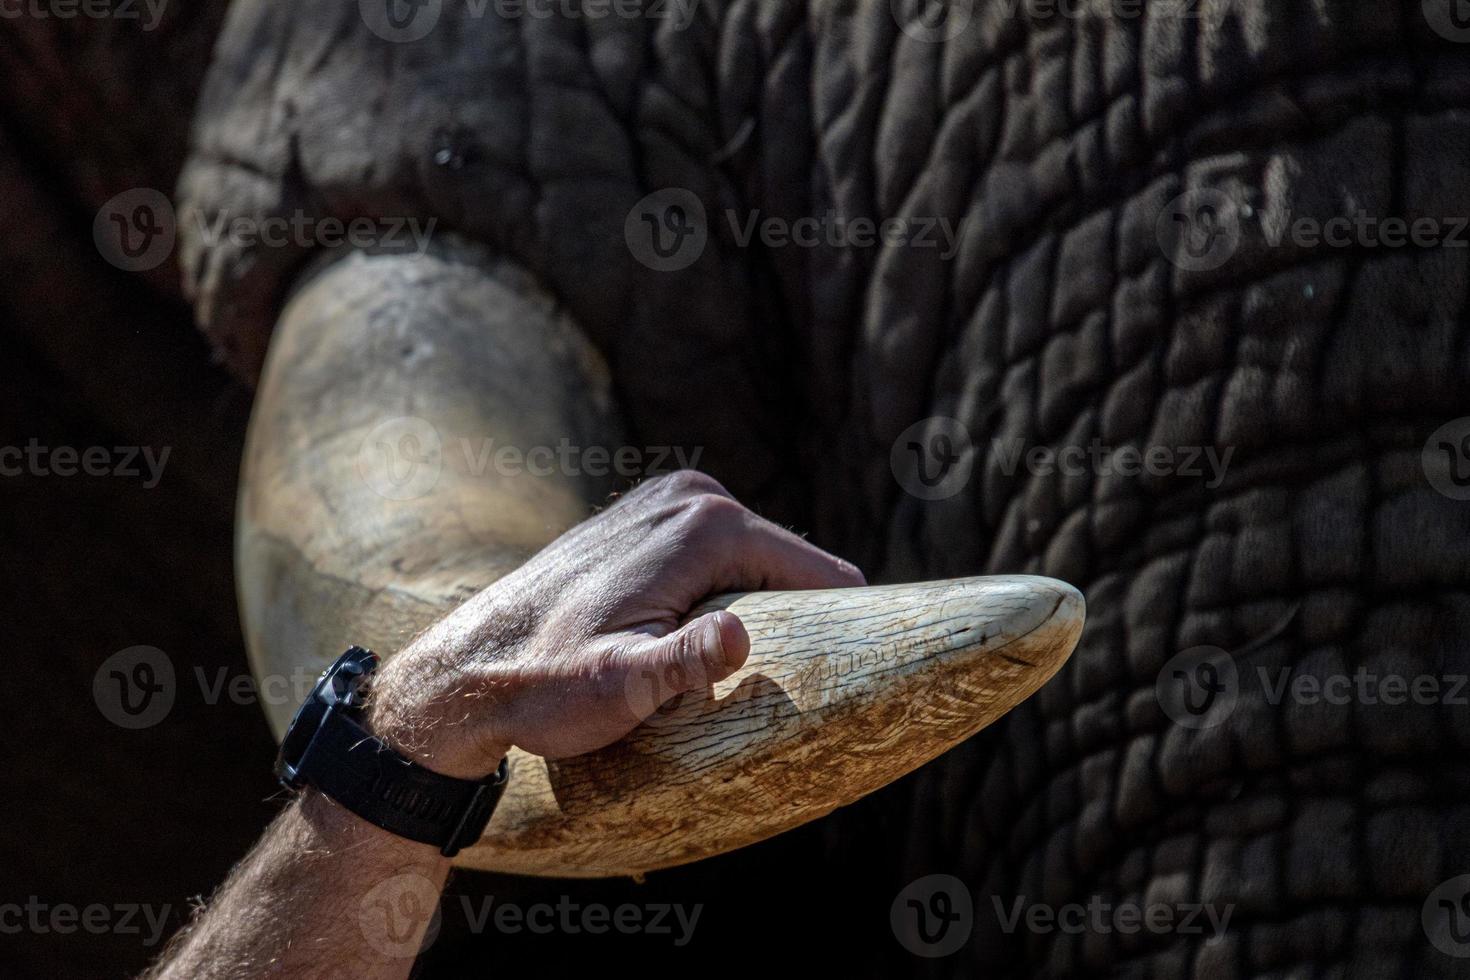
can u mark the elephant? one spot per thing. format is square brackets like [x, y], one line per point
[1115, 197]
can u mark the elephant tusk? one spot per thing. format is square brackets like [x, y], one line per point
[337, 543]
[844, 692]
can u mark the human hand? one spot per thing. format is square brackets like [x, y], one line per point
[546, 658]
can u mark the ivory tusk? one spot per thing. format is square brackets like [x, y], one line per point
[844, 692]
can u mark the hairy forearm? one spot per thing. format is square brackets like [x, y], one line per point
[324, 894]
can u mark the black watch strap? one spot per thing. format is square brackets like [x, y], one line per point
[364, 774]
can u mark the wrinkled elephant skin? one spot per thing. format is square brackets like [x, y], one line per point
[1301, 380]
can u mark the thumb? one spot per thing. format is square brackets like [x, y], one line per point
[691, 658]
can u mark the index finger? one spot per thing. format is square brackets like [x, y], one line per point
[740, 551]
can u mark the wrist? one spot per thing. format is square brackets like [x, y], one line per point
[425, 713]
[332, 828]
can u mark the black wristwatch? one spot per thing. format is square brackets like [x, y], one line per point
[328, 748]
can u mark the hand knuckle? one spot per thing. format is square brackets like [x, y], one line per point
[708, 512]
[691, 483]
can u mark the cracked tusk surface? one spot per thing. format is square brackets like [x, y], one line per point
[845, 691]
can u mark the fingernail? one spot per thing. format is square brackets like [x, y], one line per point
[716, 640]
